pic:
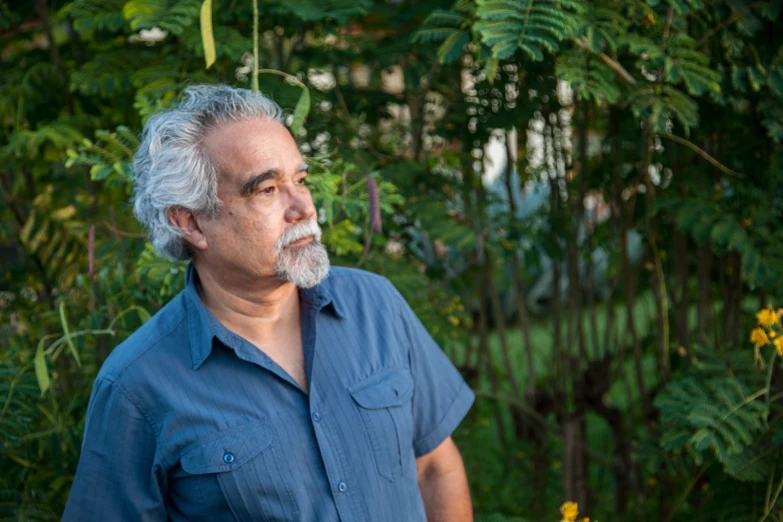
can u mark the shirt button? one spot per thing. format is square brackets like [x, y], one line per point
[342, 487]
[228, 458]
[316, 416]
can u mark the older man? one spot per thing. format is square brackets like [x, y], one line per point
[271, 388]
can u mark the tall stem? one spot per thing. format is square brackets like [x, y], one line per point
[255, 46]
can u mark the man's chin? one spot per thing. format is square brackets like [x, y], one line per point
[306, 267]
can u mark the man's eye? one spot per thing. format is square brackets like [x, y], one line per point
[302, 181]
[267, 190]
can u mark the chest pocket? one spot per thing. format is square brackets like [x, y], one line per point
[243, 465]
[384, 402]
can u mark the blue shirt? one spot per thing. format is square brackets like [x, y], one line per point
[188, 421]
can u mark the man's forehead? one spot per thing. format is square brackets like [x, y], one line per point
[246, 148]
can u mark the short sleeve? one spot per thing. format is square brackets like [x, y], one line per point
[441, 398]
[116, 478]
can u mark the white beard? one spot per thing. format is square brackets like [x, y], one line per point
[307, 265]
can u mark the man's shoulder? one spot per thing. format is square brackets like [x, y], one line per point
[352, 281]
[343, 276]
[148, 341]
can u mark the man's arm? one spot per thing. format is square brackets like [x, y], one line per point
[116, 479]
[444, 485]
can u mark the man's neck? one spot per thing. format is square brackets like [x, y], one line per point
[258, 313]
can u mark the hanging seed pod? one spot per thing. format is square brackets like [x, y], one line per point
[375, 205]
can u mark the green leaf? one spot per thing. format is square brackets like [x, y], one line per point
[529, 26]
[300, 111]
[752, 465]
[451, 49]
[723, 230]
[341, 238]
[738, 240]
[41, 371]
[67, 331]
[590, 78]
[207, 36]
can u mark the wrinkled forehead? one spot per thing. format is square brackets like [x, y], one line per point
[241, 149]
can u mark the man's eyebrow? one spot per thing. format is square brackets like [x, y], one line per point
[248, 186]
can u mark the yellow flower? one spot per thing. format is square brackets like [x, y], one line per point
[771, 334]
[569, 510]
[767, 317]
[759, 337]
[779, 345]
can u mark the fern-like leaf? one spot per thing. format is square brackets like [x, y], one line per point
[719, 415]
[589, 77]
[530, 26]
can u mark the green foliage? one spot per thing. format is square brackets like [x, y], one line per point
[95, 15]
[719, 415]
[172, 16]
[530, 26]
[713, 222]
[687, 65]
[309, 10]
[451, 27]
[658, 104]
[591, 78]
[424, 115]
[602, 27]
[109, 157]
[716, 412]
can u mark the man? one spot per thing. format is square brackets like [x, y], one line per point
[271, 388]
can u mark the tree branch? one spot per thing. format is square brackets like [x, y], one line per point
[613, 64]
[703, 154]
[736, 16]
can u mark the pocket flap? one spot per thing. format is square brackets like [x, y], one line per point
[389, 388]
[229, 451]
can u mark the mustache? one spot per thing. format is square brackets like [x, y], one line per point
[297, 232]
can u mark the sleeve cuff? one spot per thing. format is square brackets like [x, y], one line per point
[459, 408]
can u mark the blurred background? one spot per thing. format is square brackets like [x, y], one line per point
[581, 200]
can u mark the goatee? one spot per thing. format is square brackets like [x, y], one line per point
[307, 265]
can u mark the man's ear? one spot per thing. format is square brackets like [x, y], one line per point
[185, 220]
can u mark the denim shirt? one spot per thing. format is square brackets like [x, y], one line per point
[189, 421]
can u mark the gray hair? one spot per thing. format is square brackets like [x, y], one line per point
[171, 168]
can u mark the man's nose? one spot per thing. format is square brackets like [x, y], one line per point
[300, 205]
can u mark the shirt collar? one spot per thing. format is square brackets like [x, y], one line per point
[204, 327]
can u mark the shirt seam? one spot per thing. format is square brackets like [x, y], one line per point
[136, 404]
[144, 350]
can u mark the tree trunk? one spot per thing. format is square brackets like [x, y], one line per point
[575, 467]
[735, 263]
[485, 359]
[516, 272]
[679, 288]
[54, 51]
[500, 324]
[625, 476]
[704, 291]
[631, 327]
